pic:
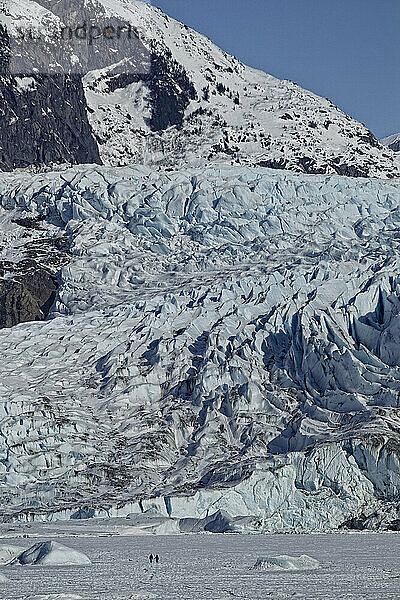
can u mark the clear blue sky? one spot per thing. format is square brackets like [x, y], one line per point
[345, 50]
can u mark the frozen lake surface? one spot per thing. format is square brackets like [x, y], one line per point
[212, 567]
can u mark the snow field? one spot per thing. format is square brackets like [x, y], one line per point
[207, 567]
[286, 563]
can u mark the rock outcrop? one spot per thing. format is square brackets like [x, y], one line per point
[158, 94]
[43, 117]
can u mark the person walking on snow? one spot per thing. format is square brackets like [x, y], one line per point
[151, 559]
[157, 559]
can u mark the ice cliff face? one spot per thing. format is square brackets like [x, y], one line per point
[221, 339]
[169, 97]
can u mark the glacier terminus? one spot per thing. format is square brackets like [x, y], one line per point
[222, 339]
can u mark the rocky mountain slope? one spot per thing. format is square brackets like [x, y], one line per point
[221, 339]
[392, 142]
[163, 96]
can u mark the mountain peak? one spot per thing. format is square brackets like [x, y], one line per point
[169, 98]
[392, 142]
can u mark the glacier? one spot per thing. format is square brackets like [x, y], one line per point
[222, 339]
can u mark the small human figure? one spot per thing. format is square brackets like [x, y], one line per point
[151, 559]
[157, 558]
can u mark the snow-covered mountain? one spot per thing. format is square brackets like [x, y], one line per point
[170, 99]
[392, 142]
[195, 333]
[222, 339]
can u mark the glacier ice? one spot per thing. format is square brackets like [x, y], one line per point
[51, 554]
[223, 338]
[8, 552]
[219, 522]
[286, 563]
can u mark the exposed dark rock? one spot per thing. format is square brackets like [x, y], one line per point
[41, 285]
[309, 166]
[273, 164]
[306, 164]
[357, 523]
[83, 513]
[4, 50]
[122, 80]
[394, 525]
[350, 170]
[62, 135]
[170, 87]
[26, 298]
[30, 222]
[28, 286]
[370, 139]
[44, 124]
[17, 305]
[395, 146]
